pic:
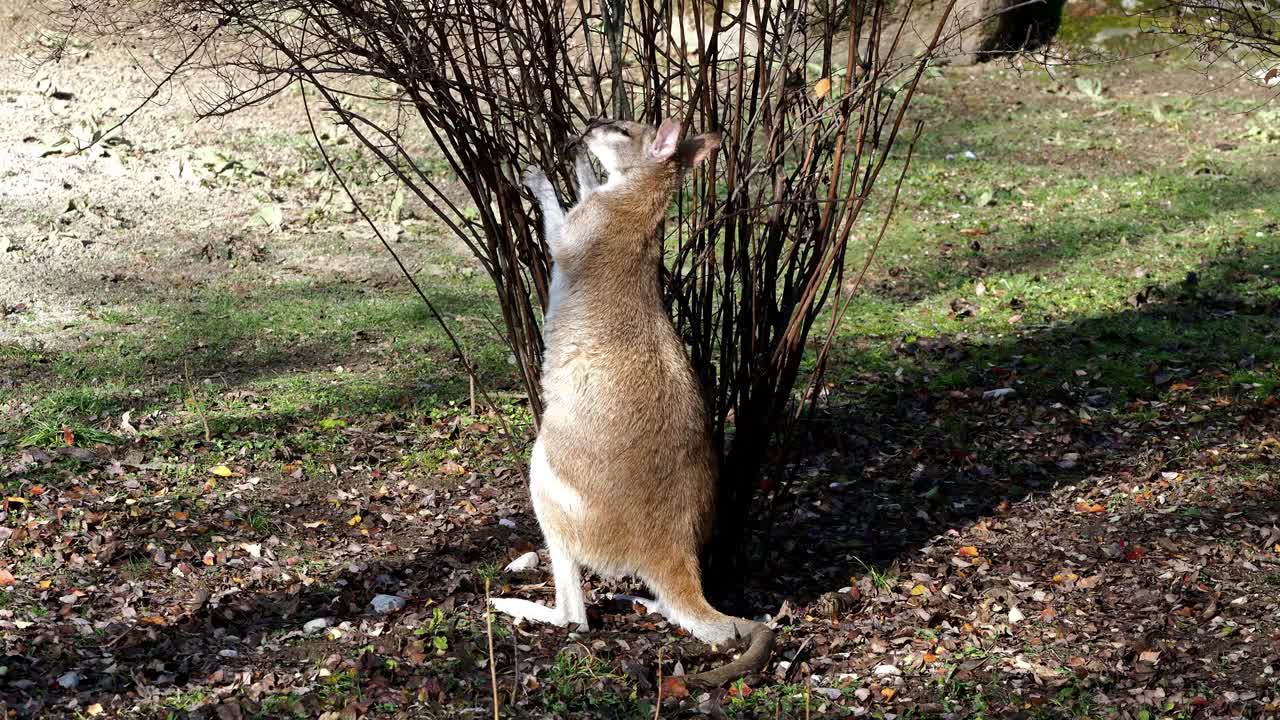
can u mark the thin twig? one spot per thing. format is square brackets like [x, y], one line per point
[457, 346]
[158, 86]
[493, 667]
[807, 680]
[657, 705]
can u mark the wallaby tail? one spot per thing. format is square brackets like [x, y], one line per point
[753, 659]
[679, 589]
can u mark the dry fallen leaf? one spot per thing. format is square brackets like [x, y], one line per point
[967, 551]
[221, 471]
[674, 687]
[822, 87]
[6, 578]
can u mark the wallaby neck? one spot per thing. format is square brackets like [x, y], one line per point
[643, 194]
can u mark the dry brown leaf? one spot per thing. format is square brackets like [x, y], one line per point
[674, 687]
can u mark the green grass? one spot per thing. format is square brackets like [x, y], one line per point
[187, 700]
[584, 684]
[1049, 269]
[280, 706]
[48, 433]
[258, 356]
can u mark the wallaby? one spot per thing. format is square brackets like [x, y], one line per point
[623, 472]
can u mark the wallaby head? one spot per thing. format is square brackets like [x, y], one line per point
[627, 148]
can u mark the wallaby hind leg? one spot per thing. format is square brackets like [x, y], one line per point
[554, 503]
[678, 585]
[570, 607]
[679, 588]
[569, 596]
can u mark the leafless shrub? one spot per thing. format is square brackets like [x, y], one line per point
[759, 240]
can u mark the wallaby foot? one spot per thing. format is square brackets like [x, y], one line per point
[528, 610]
[570, 607]
[652, 607]
[533, 612]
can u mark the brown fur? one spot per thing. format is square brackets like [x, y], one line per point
[625, 424]
[624, 430]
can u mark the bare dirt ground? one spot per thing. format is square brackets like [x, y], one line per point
[151, 208]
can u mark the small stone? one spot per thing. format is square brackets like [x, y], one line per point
[862, 694]
[383, 604]
[997, 393]
[315, 626]
[69, 681]
[527, 561]
[828, 693]
[507, 523]
[887, 670]
[228, 653]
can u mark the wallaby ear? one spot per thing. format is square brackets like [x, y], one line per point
[698, 148]
[667, 140]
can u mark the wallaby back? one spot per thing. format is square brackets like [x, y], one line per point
[625, 432]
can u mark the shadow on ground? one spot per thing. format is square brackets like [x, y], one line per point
[895, 462]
